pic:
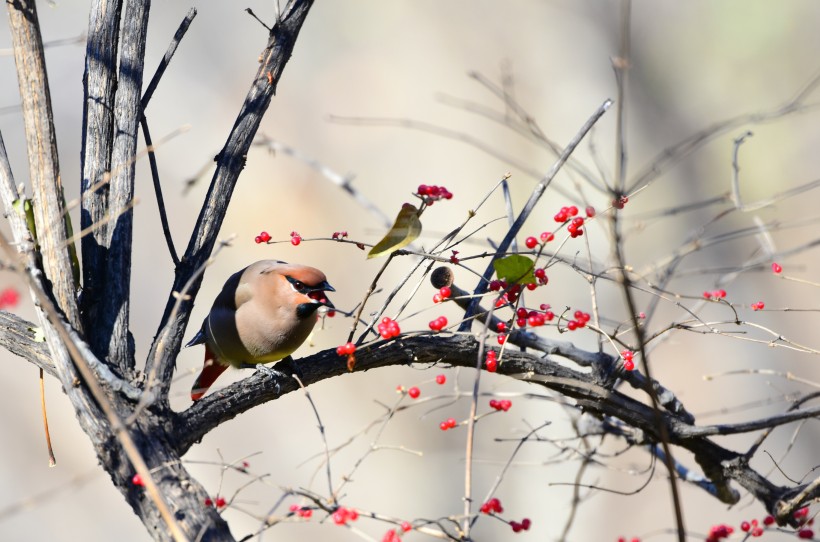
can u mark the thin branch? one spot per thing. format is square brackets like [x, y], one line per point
[528, 208]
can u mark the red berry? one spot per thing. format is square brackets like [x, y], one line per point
[414, 392]
[776, 268]
[137, 480]
[405, 526]
[547, 236]
[445, 292]
[590, 211]
[443, 426]
[757, 531]
[502, 339]
[437, 298]
[339, 517]
[531, 242]
[208, 501]
[745, 527]
[451, 422]
[491, 364]
[629, 365]
[768, 520]
[525, 524]
[806, 534]
[501, 327]
[220, 502]
[572, 211]
[572, 325]
[346, 349]
[516, 527]
[495, 285]
[295, 240]
[257, 239]
[441, 379]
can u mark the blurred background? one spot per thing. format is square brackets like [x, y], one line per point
[693, 64]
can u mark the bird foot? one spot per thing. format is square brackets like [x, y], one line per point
[268, 371]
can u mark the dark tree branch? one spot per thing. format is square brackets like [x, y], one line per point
[99, 88]
[152, 159]
[18, 337]
[592, 394]
[230, 161]
[111, 336]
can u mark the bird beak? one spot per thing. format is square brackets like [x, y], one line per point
[317, 294]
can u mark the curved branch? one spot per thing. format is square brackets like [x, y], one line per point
[590, 392]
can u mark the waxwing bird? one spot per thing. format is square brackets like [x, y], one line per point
[262, 315]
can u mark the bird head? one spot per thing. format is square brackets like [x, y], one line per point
[311, 283]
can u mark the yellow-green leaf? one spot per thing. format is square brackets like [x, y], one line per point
[515, 268]
[26, 208]
[405, 230]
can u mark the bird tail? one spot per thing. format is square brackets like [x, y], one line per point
[210, 372]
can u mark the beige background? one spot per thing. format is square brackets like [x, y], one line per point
[693, 63]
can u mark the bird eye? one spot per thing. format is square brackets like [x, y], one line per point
[298, 285]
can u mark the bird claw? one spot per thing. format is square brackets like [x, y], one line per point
[270, 372]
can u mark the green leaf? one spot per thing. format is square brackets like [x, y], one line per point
[515, 268]
[405, 230]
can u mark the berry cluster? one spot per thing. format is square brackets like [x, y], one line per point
[438, 324]
[301, 511]
[500, 404]
[491, 362]
[389, 328]
[263, 237]
[510, 296]
[295, 238]
[219, 502]
[339, 235]
[758, 306]
[342, 515]
[443, 293]
[432, 193]
[719, 531]
[393, 536]
[776, 268]
[566, 213]
[575, 226]
[523, 526]
[346, 349]
[620, 202]
[752, 527]
[454, 257]
[627, 355]
[449, 423]
[534, 318]
[581, 319]
[493, 506]
[541, 275]
[716, 294]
